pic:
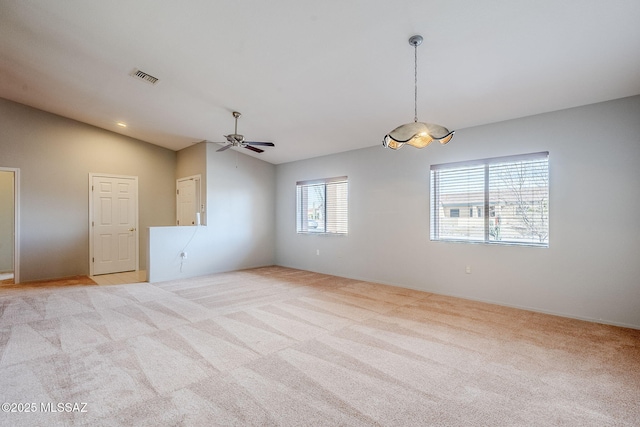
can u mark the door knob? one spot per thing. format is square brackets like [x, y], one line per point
[132, 229]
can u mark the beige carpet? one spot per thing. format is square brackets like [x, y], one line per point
[277, 346]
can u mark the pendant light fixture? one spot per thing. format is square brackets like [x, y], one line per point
[418, 134]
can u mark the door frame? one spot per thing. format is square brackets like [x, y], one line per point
[16, 222]
[137, 232]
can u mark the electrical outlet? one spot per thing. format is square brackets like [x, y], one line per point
[468, 269]
[317, 251]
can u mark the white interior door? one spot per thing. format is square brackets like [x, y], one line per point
[188, 200]
[114, 224]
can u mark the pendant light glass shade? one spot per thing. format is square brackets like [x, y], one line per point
[417, 134]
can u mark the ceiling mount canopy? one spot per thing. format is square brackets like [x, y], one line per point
[418, 134]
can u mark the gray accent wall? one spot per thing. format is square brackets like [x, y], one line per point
[55, 156]
[591, 269]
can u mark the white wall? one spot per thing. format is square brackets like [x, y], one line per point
[240, 212]
[55, 156]
[591, 269]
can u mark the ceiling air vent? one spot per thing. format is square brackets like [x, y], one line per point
[141, 75]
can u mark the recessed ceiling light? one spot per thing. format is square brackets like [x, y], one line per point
[122, 125]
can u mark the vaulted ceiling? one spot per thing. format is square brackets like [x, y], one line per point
[314, 77]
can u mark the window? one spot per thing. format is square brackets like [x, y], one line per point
[322, 206]
[514, 190]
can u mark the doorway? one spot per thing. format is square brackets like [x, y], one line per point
[9, 225]
[113, 223]
[189, 208]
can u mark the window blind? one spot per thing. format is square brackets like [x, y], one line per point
[502, 200]
[322, 206]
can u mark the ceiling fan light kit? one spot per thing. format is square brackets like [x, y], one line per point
[417, 134]
[236, 140]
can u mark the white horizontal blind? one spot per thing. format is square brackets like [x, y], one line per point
[501, 200]
[322, 206]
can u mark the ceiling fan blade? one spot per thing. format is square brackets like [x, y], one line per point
[268, 144]
[257, 150]
[226, 147]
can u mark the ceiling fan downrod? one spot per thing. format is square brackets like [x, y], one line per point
[236, 115]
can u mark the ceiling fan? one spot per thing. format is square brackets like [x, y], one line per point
[236, 140]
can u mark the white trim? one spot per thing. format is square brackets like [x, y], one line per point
[493, 160]
[16, 222]
[323, 180]
[137, 249]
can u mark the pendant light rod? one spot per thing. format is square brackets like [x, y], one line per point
[415, 41]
